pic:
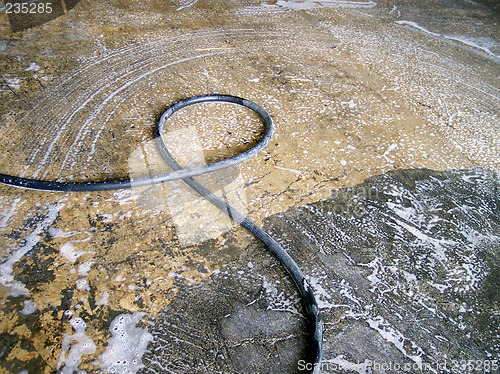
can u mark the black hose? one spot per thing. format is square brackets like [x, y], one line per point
[310, 304]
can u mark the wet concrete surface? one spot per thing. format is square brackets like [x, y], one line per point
[405, 268]
[356, 90]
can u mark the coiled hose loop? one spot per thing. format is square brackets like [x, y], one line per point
[309, 301]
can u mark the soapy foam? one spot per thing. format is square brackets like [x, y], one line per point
[6, 268]
[78, 344]
[127, 345]
[29, 307]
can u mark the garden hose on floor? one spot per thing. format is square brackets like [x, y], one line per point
[310, 304]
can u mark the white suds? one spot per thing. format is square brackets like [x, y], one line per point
[6, 268]
[68, 251]
[29, 307]
[104, 299]
[33, 67]
[84, 268]
[13, 83]
[126, 346]
[78, 344]
[82, 284]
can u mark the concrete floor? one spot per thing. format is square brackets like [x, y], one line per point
[356, 89]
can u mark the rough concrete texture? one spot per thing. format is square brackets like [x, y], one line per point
[405, 267]
[405, 264]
